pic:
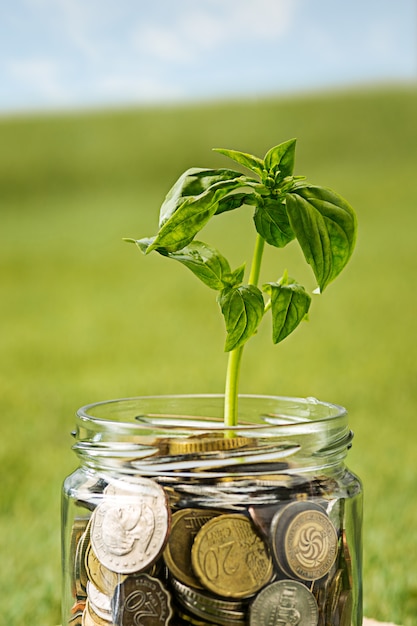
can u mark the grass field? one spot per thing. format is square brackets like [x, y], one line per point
[84, 317]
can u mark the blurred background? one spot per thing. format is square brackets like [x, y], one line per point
[102, 106]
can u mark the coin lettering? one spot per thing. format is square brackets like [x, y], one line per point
[286, 602]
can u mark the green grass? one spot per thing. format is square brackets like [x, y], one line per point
[85, 317]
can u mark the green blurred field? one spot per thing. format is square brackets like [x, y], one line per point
[85, 317]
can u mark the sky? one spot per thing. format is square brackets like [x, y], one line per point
[58, 54]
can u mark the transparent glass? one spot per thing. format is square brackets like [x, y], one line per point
[171, 518]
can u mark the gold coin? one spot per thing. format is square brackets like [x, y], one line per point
[80, 572]
[335, 590]
[90, 618]
[311, 545]
[177, 555]
[230, 558]
[344, 609]
[104, 579]
[305, 540]
[208, 443]
[346, 561]
[77, 531]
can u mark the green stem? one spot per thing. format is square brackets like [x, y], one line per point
[235, 356]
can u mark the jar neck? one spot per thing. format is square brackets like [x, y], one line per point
[174, 437]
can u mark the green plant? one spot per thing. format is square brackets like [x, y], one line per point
[286, 207]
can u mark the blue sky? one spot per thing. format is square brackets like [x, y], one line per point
[77, 53]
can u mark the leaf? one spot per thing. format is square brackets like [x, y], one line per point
[192, 182]
[251, 162]
[234, 201]
[142, 244]
[271, 222]
[189, 218]
[281, 158]
[205, 262]
[325, 226]
[289, 304]
[243, 309]
[235, 278]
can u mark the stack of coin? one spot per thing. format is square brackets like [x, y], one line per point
[147, 556]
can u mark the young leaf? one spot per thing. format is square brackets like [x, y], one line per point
[192, 182]
[243, 308]
[289, 304]
[281, 158]
[235, 278]
[325, 226]
[205, 262]
[189, 218]
[271, 222]
[142, 244]
[234, 201]
[253, 163]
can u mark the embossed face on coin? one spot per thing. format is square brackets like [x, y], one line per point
[230, 558]
[141, 600]
[286, 603]
[177, 555]
[129, 532]
[305, 541]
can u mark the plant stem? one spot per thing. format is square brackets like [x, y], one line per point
[235, 356]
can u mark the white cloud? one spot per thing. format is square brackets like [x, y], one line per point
[42, 75]
[199, 29]
[138, 87]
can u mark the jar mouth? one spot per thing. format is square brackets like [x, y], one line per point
[204, 412]
[185, 434]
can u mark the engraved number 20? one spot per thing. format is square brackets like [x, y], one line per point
[216, 561]
[138, 604]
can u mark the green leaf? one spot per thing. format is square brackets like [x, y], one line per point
[192, 182]
[325, 226]
[281, 158]
[271, 222]
[251, 162]
[289, 304]
[142, 244]
[243, 309]
[234, 201]
[235, 278]
[189, 218]
[206, 263]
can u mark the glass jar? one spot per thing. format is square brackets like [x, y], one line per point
[172, 518]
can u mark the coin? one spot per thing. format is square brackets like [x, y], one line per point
[141, 600]
[103, 578]
[100, 603]
[90, 618]
[335, 590]
[286, 602]
[208, 607]
[77, 531]
[343, 613]
[346, 561]
[230, 558]
[185, 526]
[208, 443]
[305, 540]
[129, 532]
[80, 573]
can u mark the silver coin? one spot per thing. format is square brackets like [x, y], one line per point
[141, 600]
[129, 528]
[286, 602]
[99, 601]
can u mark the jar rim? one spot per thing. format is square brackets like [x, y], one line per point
[295, 411]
